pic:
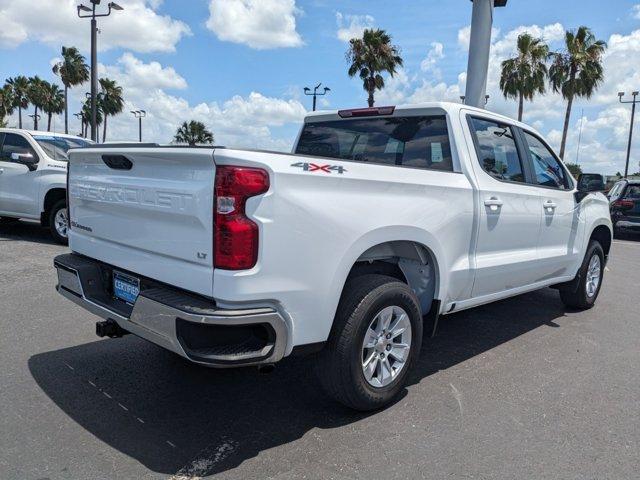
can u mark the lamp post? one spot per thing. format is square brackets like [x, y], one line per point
[90, 12]
[35, 117]
[479, 49]
[139, 114]
[633, 114]
[315, 94]
[80, 116]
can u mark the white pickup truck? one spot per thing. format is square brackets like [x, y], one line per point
[33, 177]
[381, 220]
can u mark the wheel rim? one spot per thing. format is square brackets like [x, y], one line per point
[593, 276]
[61, 222]
[386, 346]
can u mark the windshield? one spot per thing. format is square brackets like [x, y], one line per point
[57, 147]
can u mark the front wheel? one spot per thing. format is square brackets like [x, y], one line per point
[590, 280]
[374, 343]
[59, 222]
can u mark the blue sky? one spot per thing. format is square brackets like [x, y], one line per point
[240, 65]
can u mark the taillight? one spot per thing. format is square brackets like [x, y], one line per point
[236, 236]
[623, 204]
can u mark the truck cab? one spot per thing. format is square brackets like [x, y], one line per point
[33, 170]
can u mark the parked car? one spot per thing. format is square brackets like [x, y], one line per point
[381, 220]
[624, 202]
[33, 177]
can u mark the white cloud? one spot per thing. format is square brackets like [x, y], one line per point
[260, 24]
[352, 26]
[435, 54]
[636, 11]
[141, 77]
[138, 27]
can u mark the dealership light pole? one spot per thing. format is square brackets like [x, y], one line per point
[139, 114]
[307, 91]
[633, 114]
[479, 48]
[90, 12]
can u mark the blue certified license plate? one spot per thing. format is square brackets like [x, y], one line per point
[126, 287]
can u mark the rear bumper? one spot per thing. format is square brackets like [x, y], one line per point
[631, 224]
[188, 325]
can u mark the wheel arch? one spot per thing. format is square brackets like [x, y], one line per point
[407, 253]
[604, 235]
[53, 196]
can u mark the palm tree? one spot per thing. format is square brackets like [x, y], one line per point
[20, 86]
[524, 76]
[370, 56]
[54, 102]
[73, 70]
[193, 133]
[7, 103]
[37, 95]
[111, 101]
[577, 71]
[86, 116]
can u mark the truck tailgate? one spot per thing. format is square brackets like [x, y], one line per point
[154, 218]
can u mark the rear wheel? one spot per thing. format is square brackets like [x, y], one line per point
[374, 343]
[590, 280]
[59, 222]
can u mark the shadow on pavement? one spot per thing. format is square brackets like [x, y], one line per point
[26, 231]
[166, 413]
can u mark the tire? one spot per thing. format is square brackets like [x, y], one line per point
[588, 283]
[58, 231]
[367, 301]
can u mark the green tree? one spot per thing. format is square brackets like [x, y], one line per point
[574, 168]
[7, 103]
[54, 102]
[193, 133]
[111, 101]
[369, 57]
[524, 75]
[86, 116]
[37, 95]
[577, 71]
[73, 70]
[20, 86]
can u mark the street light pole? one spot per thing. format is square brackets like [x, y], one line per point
[139, 114]
[94, 56]
[315, 93]
[633, 114]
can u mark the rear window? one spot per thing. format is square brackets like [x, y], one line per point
[417, 142]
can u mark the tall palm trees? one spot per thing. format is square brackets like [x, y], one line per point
[37, 95]
[110, 101]
[370, 56]
[73, 70]
[524, 75]
[577, 71]
[7, 103]
[20, 87]
[54, 102]
[193, 133]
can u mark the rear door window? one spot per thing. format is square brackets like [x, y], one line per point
[632, 193]
[497, 150]
[417, 142]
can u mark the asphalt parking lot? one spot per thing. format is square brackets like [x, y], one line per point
[517, 389]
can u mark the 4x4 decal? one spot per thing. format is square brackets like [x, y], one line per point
[314, 167]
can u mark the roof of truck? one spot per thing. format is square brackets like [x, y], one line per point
[449, 107]
[39, 132]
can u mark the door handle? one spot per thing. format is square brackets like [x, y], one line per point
[494, 203]
[550, 206]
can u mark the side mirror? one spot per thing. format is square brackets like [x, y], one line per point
[589, 182]
[27, 159]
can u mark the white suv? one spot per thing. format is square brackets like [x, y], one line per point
[33, 177]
